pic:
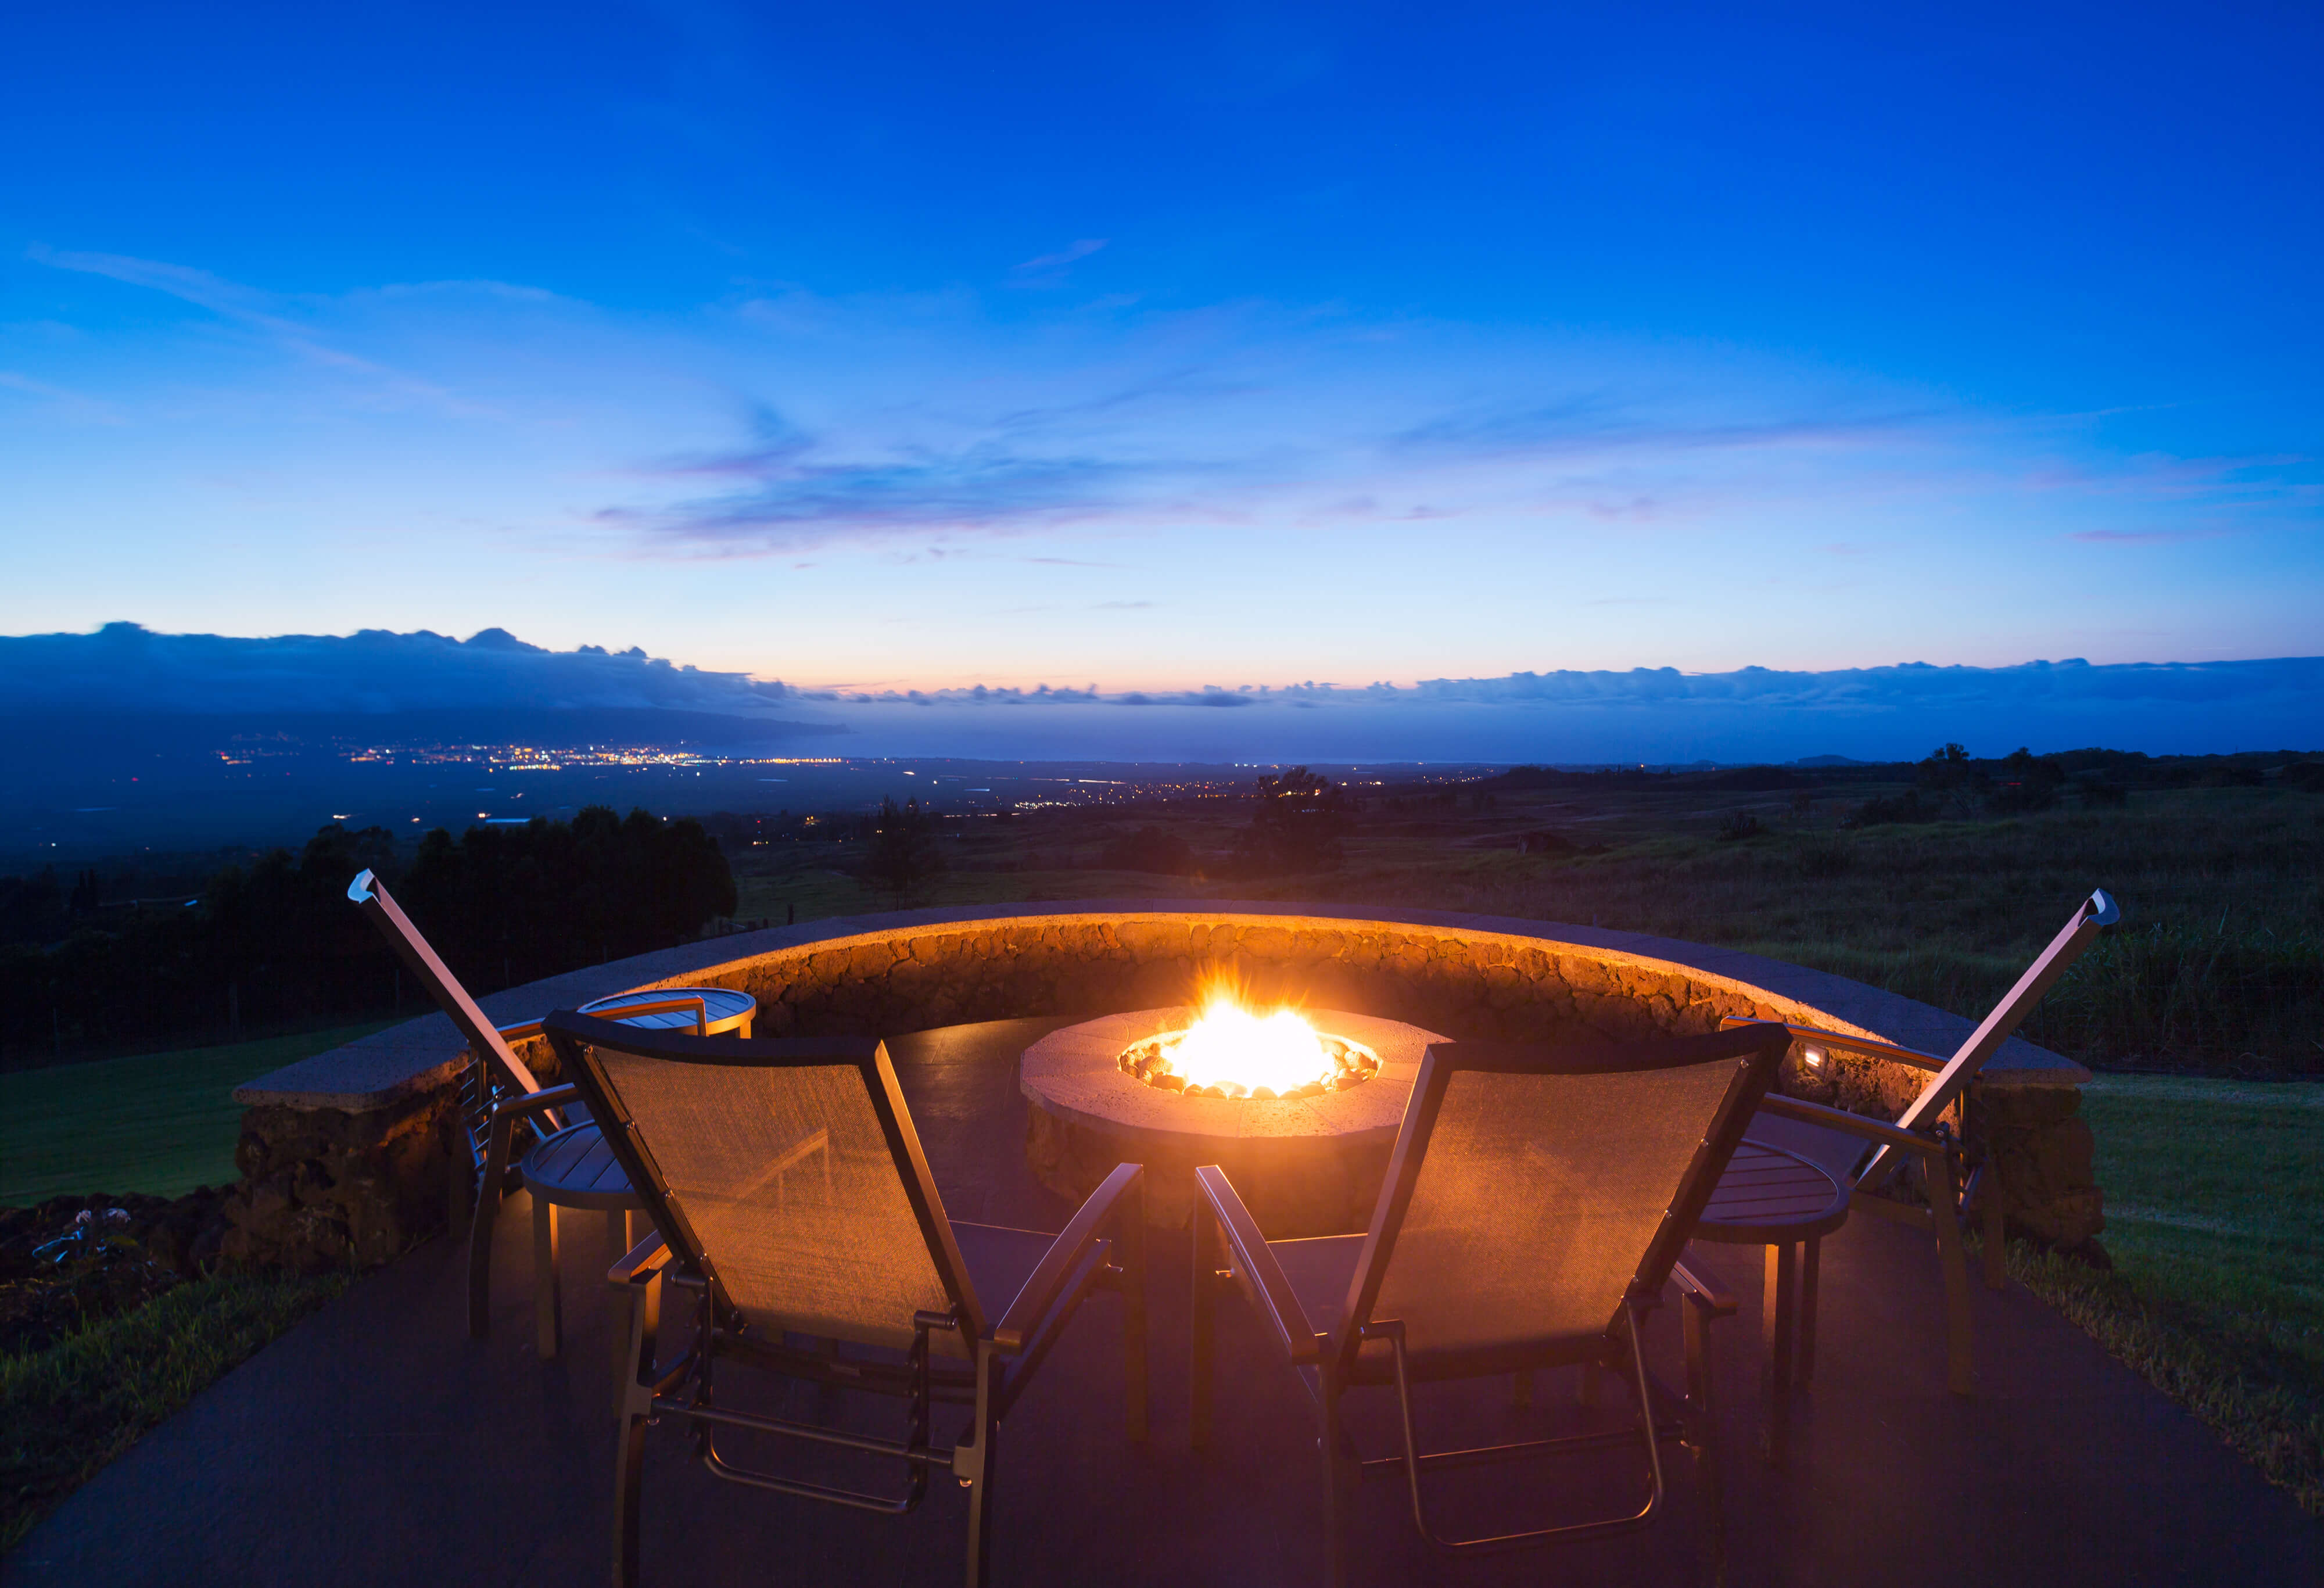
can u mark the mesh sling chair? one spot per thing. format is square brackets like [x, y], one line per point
[1955, 1167]
[792, 1203]
[1536, 1201]
[568, 1163]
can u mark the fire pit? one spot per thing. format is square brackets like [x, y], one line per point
[1301, 1111]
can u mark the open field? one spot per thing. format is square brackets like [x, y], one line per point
[161, 1122]
[2217, 1293]
[2218, 965]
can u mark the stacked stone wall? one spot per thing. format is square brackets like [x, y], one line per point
[320, 1185]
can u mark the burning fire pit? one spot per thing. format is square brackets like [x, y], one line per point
[1230, 1052]
[1301, 1108]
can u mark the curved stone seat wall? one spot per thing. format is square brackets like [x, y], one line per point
[348, 1154]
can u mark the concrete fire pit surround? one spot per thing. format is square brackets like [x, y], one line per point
[1305, 1166]
[346, 1156]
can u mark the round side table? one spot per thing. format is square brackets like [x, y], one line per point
[1772, 1199]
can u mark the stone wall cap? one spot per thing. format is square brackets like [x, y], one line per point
[388, 1066]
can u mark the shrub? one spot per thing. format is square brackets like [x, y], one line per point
[1739, 825]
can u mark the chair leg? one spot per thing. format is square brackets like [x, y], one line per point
[1340, 1475]
[1811, 1272]
[1204, 1324]
[634, 1384]
[985, 1464]
[489, 1191]
[548, 1298]
[1954, 1262]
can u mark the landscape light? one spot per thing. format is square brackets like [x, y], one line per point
[1812, 1057]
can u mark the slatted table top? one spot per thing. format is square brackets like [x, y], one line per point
[1766, 1194]
[576, 1169]
[726, 1009]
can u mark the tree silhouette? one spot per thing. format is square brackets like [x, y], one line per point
[1296, 826]
[904, 857]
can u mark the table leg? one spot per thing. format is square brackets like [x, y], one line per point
[1775, 1327]
[1811, 1268]
[547, 1301]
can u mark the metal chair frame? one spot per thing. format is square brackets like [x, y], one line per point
[1940, 1134]
[1332, 1363]
[1102, 1247]
[503, 1117]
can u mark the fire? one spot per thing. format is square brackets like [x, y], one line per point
[1230, 1051]
[1230, 1045]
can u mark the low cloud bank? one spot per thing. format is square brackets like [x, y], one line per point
[1649, 715]
[126, 668]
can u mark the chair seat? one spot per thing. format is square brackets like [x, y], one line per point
[1836, 1152]
[1320, 1270]
[576, 1169]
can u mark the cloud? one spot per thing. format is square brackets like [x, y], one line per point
[126, 668]
[2143, 537]
[1048, 270]
[795, 502]
[1572, 716]
[264, 313]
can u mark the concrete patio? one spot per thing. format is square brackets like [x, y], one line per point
[375, 1443]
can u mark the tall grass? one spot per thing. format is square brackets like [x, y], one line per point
[2218, 967]
[2194, 996]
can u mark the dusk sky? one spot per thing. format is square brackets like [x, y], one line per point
[872, 348]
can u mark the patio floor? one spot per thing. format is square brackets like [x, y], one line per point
[375, 1443]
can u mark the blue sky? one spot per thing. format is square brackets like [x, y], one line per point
[875, 348]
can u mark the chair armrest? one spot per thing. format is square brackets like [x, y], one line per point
[1854, 1124]
[1082, 1234]
[521, 1031]
[546, 1099]
[640, 1263]
[1864, 1045]
[1720, 1303]
[1262, 1274]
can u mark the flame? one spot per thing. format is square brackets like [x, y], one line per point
[1229, 1046]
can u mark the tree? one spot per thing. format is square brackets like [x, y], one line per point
[1296, 827]
[904, 856]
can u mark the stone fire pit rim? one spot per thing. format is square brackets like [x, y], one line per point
[422, 1055]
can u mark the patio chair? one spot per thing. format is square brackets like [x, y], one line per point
[1956, 1171]
[793, 1205]
[1536, 1202]
[568, 1166]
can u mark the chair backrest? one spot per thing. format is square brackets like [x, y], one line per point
[1534, 1190]
[785, 1170]
[509, 1072]
[2090, 918]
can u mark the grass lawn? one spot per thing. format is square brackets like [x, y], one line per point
[68, 1410]
[160, 1122]
[2213, 1189]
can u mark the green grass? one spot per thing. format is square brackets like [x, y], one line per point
[161, 1122]
[68, 1410]
[2213, 1189]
